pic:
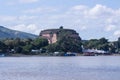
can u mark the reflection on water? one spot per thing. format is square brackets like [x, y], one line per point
[60, 68]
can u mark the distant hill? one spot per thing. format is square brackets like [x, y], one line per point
[8, 33]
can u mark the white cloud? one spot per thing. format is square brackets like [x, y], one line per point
[79, 7]
[31, 28]
[117, 33]
[27, 1]
[16, 2]
[40, 10]
[77, 10]
[110, 27]
[99, 11]
[4, 18]
[22, 19]
[83, 28]
[98, 20]
[25, 17]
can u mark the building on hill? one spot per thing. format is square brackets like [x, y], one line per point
[53, 34]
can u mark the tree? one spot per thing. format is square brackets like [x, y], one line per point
[28, 41]
[61, 27]
[66, 43]
[53, 47]
[91, 44]
[27, 49]
[70, 44]
[9, 43]
[103, 41]
[119, 39]
[101, 44]
[112, 47]
[40, 42]
[3, 47]
[104, 47]
[117, 45]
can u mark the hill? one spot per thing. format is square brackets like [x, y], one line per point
[8, 33]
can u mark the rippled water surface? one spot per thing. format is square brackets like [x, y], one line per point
[60, 68]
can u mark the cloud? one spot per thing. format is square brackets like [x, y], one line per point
[31, 28]
[110, 27]
[83, 28]
[40, 10]
[25, 17]
[28, 1]
[99, 11]
[117, 33]
[99, 18]
[79, 7]
[16, 2]
[5, 18]
[97, 21]
[21, 19]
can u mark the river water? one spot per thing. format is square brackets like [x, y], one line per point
[60, 68]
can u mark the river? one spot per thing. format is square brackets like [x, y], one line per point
[60, 68]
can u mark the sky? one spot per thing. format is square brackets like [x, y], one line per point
[92, 19]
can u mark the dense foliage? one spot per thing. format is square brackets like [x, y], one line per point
[66, 42]
[23, 46]
[2, 47]
[102, 44]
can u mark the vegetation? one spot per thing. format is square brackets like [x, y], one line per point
[2, 47]
[67, 42]
[102, 44]
[22, 46]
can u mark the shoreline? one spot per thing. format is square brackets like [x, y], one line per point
[23, 55]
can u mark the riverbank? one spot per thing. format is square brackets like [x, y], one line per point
[46, 54]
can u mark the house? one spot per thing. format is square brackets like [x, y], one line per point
[88, 52]
[93, 52]
[38, 51]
